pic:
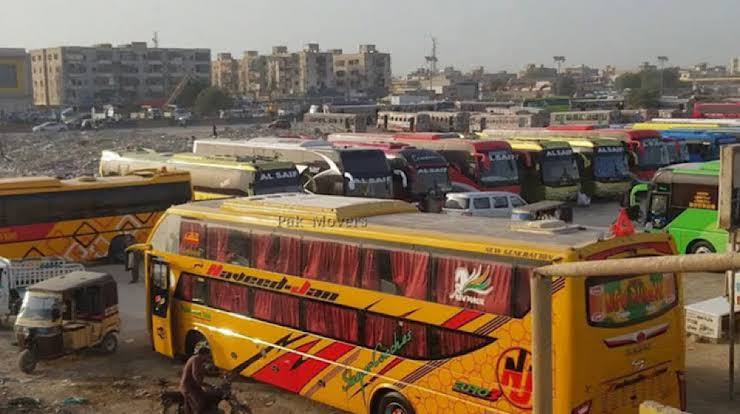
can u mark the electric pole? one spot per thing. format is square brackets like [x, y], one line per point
[559, 60]
[432, 61]
[662, 60]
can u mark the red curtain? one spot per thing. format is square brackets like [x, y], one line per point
[288, 260]
[417, 348]
[369, 274]
[261, 251]
[384, 331]
[185, 287]
[331, 262]
[522, 297]
[334, 322]
[379, 330]
[227, 296]
[452, 343]
[409, 271]
[484, 286]
[218, 244]
[276, 308]
[192, 239]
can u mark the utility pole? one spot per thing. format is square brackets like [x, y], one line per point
[432, 61]
[155, 39]
[662, 60]
[559, 60]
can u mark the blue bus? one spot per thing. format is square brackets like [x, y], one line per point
[703, 145]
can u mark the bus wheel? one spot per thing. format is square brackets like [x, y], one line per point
[117, 249]
[701, 247]
[393, 403]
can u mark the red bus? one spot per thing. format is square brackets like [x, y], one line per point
[420, 176]
[716, 110]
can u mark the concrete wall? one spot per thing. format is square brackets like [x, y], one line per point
[16, 93]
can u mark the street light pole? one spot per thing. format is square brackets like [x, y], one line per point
[662, 60]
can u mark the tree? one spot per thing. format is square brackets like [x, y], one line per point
[566, 86]
[628, 80]
[212, 99]
[643, 98]
[190, 93]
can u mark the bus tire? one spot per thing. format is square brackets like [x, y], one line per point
[117, 248]
[701, 247]
[392, 403]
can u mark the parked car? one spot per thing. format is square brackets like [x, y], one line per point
[279, 124]
[482, 204]
[50, 126]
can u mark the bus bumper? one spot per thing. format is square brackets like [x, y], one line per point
[569, 193]
[611, 191]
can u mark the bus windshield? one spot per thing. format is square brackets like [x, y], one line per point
[622, 301]
[276, 181]
[501, 168]
[653, 154]
[559, 168]
[370, 172]
[611, 164]
[431, 178]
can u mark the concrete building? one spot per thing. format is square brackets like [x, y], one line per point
[363, 74]
[103, 74]
[538, 73]
[282, 72]
[225, 73]
[15, 80]
[734, 68]
[315, 71]
[253, 74]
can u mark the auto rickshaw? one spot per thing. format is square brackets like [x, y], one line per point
[65, 314]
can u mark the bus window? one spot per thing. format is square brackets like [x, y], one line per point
[276, 308]
[228, 246]
[331, 262]
[387, 331]
[228, 296]
[276, 253]
[200, 290]
[484, 286]
[447, 343]
[410, 273]
[623, 301]
[332, 321]
[192, 239]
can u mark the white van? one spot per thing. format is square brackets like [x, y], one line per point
[483, 204]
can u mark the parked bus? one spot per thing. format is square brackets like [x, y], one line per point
[702, 145]
[448, 121]
[602, 164]
[480, 122]
[716, 110]
[323, 169]
[550, 103]
[407, 312]
[85, 218]
[602, 118]
[680, 124]
[678, 150]
[474, 165]
[403, 121]
[548, 170]
[682, 201]
[729, 123]
[346, 122]
[420, 176]
[212, 176]
[369, 111]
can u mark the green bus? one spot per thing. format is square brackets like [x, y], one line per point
[682, 200]
[549, 103]
[548, 170]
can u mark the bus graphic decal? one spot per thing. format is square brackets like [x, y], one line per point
[476, 282]
[514, 371]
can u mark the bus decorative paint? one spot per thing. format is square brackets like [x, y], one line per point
[393, 336]
[548, 170]
[86, 218]
[702, 145]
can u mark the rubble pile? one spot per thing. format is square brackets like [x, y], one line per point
[75, 153]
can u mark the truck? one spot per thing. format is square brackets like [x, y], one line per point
[17, 274]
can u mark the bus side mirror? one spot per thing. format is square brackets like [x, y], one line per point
[404, 178]
[351, 181]
[633, 212]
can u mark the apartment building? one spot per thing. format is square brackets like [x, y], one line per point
[225, 73]
[315, 71]
[282, 72]
[253, 74]
[363, 74]
[103, 74]
[15, 80]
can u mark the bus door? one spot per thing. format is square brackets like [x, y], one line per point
[160, 305]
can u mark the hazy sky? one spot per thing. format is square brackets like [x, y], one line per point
[498, 34]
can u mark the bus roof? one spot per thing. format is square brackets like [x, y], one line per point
[427, 136]
[398, 222]
[660, 126]
[536, 144]
[270, 142]
[244, 163]
[26, 185]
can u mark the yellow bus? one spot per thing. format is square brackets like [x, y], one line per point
[372, 307]
[85, 218]
[213, 177]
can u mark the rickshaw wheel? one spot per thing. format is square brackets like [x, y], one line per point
[109, 343]
[27, 361]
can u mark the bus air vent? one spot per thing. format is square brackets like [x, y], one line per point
[544, 227]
